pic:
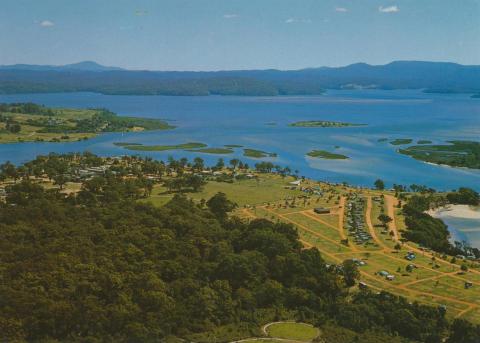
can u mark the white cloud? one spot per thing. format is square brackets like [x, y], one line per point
[46, 23]
[298, 20]
[230, 15]
[341, 9]
[389, 9]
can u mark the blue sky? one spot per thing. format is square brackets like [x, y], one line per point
[238, 34]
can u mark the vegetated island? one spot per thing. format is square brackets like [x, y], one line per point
[233, 146]
[424, 141]
[401, 141]
[322, 123]
[218, 151]
[258, 153]
[382, 139]
[326, 155]
[457, 154]
[29, 122]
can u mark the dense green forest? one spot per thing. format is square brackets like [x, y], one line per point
[101, 266]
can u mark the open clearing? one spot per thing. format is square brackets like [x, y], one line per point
[293, 331]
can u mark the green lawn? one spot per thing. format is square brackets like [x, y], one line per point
[268, 188]
[296, 331]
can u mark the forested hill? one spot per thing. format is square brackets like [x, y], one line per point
[102, 267]
[89, 76]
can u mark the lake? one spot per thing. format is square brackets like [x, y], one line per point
[262, 123]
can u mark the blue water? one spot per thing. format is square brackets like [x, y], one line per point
[462, 229]
[217, 120]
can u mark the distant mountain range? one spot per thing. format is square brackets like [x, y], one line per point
[80, 66]
[92, 77]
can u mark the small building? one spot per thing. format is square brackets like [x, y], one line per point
[390, 277]
[321, 210]
[468, 284]
[362, 285]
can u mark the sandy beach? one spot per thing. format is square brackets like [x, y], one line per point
[456, 211]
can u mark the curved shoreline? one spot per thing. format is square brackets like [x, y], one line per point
[452, 214]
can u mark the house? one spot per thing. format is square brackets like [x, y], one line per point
[390, 277]
[362, 285]
[468, 284]
[321, 210]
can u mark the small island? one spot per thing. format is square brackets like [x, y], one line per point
[29, 122]
[323, 123]
[424, 141]
[401, 141]
[456, 154]
[258, 153]
[382, 139]
[326, 155]
[219, 151]
[233, 146]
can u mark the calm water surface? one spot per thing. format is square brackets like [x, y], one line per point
[217, 120]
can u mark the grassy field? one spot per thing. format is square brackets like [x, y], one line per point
[268, 188]
[294, 331]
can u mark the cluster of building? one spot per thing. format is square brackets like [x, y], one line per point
[355, 221]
